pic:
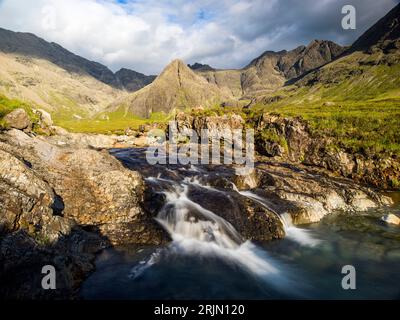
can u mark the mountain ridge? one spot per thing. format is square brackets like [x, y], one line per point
[272, 69]
[177, 87]
[31, 45]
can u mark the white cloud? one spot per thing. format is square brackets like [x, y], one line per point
[146, 35]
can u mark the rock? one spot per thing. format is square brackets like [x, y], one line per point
[59, 131]
[104, 117]
[252, 220]
[216, 125]
[391, 219]
[96, 190]
[18, 119]
[308, 195]
[45, 119]
[142, 141]
[270, 149]
[23, 257]
[130, 132]
[246, 178]
[292, 140]
[59, 206]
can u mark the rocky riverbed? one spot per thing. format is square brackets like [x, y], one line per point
[65, 197]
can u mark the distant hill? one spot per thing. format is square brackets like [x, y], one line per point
[272, 70]
[370, 66]
[201, 67]
[177, 87]
[132, 80]
[47, 75]
[354, 100]
[27, 44]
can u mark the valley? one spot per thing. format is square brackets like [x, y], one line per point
[77, 189]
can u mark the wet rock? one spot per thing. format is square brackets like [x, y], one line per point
[62, 204]
[391, 219]
[22, 258]
[252, 220]
[246, 178]
[308, 195]
[18, 119]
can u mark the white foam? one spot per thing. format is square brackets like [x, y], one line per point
[302, 236]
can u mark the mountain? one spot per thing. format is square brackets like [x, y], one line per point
[67, 85]
[386, 30]
[132, 80]
[371, 65]
[27, 44]
[201, 67]
[353, 101]
[272, 70]
[44, 84]
[177, 87]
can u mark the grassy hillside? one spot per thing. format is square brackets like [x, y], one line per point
[355, 100]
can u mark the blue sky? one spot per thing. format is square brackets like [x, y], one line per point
[147, 35]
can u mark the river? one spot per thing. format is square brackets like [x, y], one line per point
[209, 259]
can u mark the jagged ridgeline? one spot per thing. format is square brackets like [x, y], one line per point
[73, 88]
[272, 70]
[320, 78]
[355, 99]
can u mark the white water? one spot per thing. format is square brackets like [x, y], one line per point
[294, 233]
[200, 232]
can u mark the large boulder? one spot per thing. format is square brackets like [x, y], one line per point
[97, 191]
[59, 205]
[18, 119]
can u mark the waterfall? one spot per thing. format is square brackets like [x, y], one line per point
[200, 232]
[294, 233]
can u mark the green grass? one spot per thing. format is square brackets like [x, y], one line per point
[106, 123]
[272, 136]
[356, 104]
[7, 105]
[367, 126]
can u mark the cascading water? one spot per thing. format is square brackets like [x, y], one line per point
[207, 259]
[200, 232]
[294, 233]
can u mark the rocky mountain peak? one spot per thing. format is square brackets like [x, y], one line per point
[177, 87]
[386, 29]
[201, 67]
[132, 80]
[178, 71]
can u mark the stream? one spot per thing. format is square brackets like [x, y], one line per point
[209, 259]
